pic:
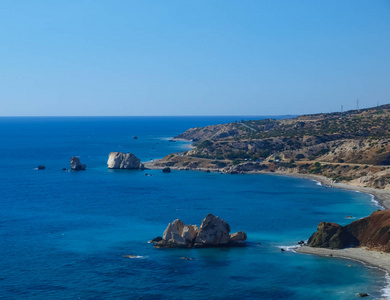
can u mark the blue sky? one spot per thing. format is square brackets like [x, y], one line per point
[228, 57]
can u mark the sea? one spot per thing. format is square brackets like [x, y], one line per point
[68, 234]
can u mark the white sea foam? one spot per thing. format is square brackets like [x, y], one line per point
[386, 290]
[376, 202]
[135, 256]
[316, 181]
[289, 248]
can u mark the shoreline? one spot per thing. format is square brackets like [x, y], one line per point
[380, 196]
[371, 258]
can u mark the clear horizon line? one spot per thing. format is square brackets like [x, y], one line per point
[121, 116]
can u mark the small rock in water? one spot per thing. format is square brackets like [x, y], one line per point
[361, 295]
[135, 137]
[40, 167]
[281, 249]
[157, 239]
[76, 165]
[130, 256]
[348, 217]
[63, 169]
[167, 170]
[187, 258]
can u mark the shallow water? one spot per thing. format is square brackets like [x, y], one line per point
[64, 234]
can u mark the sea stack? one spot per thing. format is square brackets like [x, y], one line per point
[120, 160]
[214, 232]
[76, 165]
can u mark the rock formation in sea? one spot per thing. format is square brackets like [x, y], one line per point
[372, 232]
[213, 232]
[120, 160]
[166, 170]
[76, 165]
[41, 167]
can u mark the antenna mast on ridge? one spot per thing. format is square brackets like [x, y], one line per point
[357, 103]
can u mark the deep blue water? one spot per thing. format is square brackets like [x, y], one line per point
[63, 234]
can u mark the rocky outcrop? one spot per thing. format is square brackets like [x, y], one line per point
[120, 160]
[167, 170]
[238, 236]
[213, 232]
[76, 165]
[333, 236]
[248, 167]
[372, 232]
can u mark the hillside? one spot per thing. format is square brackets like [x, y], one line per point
[352, 146]
[371, 232]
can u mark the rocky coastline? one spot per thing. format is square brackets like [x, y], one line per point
[363, 254]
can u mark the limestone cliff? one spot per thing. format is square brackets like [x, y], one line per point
[119, 160]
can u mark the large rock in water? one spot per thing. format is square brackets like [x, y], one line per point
[372, 232]
[214, 232]
[120, 160]
[76, 165]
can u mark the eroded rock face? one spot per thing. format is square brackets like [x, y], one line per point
[331, 235]
[372, 231]
[120, 160]
[238, 236]
[189, 233]
[214, 232]
[178, 235]
[76, 165]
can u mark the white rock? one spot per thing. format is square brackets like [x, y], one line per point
[119, 160]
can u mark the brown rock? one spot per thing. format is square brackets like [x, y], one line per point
[238, 236]
[331, 235]
[372, 231]
[213, 232]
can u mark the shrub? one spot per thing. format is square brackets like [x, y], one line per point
[236, 162]
[219, 164]
[205, 144]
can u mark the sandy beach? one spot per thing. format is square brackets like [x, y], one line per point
[382, 196]
[373, 258]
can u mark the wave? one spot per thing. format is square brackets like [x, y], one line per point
[376, 202]
[386, 290]
[135, 256]
[289, 248]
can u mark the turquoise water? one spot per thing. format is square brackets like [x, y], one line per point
[64, 234]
